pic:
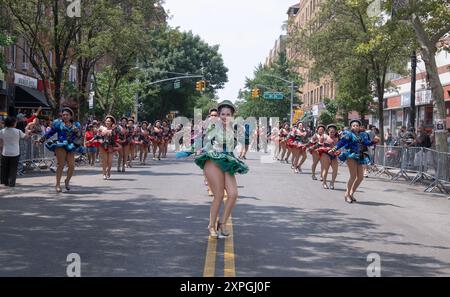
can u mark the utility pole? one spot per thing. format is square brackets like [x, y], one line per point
[412, 112]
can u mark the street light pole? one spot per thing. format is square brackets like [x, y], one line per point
[292, 103]
[136, 102]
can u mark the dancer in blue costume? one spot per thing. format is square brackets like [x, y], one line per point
[354, 150]
[68, 142]
[220, 165]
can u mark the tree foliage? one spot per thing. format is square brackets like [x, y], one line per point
[264, 79]
[174, 54]
[430, 22]
[351, 46]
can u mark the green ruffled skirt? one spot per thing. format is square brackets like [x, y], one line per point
[226, 161]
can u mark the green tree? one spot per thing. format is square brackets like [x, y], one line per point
[430, 21]
[328, 115]
[344, 37]
[114, 95]
[263, 80]
[174, 54]
[45, 27]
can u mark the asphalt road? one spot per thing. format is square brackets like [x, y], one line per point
[152, 221]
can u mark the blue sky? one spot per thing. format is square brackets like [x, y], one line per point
[245, 30]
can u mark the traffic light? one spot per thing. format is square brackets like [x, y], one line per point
[200, 85]
[256, 93]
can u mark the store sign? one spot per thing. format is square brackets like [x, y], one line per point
[422, 98]
[26, 81]
[439, 126]
[91, 99]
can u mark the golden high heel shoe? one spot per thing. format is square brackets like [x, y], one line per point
[213, 232]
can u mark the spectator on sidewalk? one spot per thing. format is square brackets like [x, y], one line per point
[409, 137]
[388, 137]
[10, 152]
[448, 139]
[422, 138]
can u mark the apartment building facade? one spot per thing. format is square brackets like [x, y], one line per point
[279, 47]
[313, 94]
[397, 99]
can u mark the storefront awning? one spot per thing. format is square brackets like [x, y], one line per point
[26, 97]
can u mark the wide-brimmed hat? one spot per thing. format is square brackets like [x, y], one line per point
[331, 126]
[321, 125]
[123, 118]
[68, 109]
[113, 119]
[144, 122]
[355, 120]
[226, 103]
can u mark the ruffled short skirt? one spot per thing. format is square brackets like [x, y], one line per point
[227, 162]
[361, 159]
[69, 147]
[293, 144]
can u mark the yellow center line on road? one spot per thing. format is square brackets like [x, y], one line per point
[211, 254]
[229, 267]
[210, 261]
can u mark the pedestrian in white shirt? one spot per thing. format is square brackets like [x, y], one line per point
[11, 151]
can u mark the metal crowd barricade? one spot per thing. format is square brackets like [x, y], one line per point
[389, 158]
[431, 167]
[421, 161]
[34, 155]
[383, 161]
[438, 163]
[405, 163]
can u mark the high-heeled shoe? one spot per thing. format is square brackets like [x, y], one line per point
[348, 199]
[332, 186]
[67, 185]
[213, 232]
[314, 177]
[325, 186]
[58, 189]
[221, 231]
[353, 198]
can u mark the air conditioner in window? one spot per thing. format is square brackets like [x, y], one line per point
[25, 66]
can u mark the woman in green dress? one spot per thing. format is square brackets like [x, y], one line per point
[220, 166]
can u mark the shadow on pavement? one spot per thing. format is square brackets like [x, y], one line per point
[282, 241]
